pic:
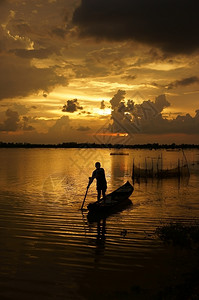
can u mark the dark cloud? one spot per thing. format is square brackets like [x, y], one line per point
[4, 12]
[153, 55]
[107, 60]
[60, 32]
[45, 95]
[25, 126]
[23, 28]
[11, 123]
[83, 128]
[19, 78]
[71, 106]
[20, 108]
[129, 77]
[102, 104]
[38, 53]
[147, 118]
[183, 82]
[117, 98]
[85, 112]
[172, 25]
[155, 84]
[177, 83]
[160, 103]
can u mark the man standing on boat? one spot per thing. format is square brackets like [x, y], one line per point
[99, 174]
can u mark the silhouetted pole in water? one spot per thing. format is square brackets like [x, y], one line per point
[186, 161]
[152, 168]
[85, 197]
[158, 166]
[146, 169]
[178, 168]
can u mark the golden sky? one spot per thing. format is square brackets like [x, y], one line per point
[99, 71]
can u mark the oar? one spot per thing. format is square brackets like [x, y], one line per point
[85, 197]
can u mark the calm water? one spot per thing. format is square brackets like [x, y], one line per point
[50, 251]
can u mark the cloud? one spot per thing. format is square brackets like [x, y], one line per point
[58, 132]
[183, 82]
[72, 106]
[22, 27]
[107, 60]
[117, 98]
[25, 126]
[19, 78]
[22, 79]
[102, 104]
[13, 122]
[171, 25]
[160, 103]
[45, 95]
[36, 53]
[147, 118]
[20, 108]
[83, 128]
[129, 77]
[61, 131]
[61, 126]
[52, 131]
[59, 32]
[2, 2]
[177, 83]
[25, 40]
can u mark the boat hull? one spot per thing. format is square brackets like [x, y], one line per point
[114, 201]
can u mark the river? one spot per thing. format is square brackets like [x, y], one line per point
[49, 250]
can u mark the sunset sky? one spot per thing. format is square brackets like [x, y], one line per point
[99, 71]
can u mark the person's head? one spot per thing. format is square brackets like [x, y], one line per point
[97, 165]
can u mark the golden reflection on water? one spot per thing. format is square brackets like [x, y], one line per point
[49, 249]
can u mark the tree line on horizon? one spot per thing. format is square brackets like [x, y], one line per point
[94, 145]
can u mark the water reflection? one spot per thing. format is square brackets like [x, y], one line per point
[49, 250]
[120, 169]
[179, 182]
[100, 240]
[95, 233]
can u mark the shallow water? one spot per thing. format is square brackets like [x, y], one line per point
[50, 250]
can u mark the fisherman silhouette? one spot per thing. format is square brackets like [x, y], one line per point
[101, 184]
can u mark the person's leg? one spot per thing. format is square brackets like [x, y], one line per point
[98, 195]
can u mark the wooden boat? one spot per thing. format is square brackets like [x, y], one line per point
[114, 201]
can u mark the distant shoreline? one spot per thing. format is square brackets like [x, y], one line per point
[102, 146]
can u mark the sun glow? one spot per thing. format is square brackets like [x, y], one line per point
[117, 134]
[102, 112]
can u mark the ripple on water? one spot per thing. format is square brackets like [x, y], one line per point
[50, 250]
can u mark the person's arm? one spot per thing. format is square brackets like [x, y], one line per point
[91, 178]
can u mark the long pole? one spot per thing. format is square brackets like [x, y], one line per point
[84, 198]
